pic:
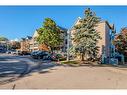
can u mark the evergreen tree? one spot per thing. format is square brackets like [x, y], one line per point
[86, 36]
[49, 34]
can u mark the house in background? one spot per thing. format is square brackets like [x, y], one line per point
[25, 44]
[107, 32]
[35, 46]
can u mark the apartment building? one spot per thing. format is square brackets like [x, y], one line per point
[33, 43]
[107, 32]
[63, 46]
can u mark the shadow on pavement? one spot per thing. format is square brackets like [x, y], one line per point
[12, 70]
[43, 67]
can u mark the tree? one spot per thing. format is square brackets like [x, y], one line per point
[15, 45]
[3, 38]
[49, 34]
[120, 41]
[86, 36]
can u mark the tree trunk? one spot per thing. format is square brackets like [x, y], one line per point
[82, 57]
[51, 50]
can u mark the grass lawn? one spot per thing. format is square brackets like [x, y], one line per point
[70, 62]
[78, 63]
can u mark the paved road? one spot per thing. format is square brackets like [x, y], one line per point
[12, 67]
[64, 77]
[49, 76]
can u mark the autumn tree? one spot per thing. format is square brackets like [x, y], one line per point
[15, 45]
[49, 34]
[120, 41]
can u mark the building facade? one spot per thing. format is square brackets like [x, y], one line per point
[107, 33]
[35, 46]
[63, 36]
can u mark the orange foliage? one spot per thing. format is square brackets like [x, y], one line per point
[43, 47]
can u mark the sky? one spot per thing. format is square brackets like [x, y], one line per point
[21, 21]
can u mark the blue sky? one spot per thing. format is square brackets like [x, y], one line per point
[20, 21]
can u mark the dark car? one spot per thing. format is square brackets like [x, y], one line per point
[47, 57]
[56, 57]
[23, 53]
[8, 52]
[53, 57]
[33, 54]
[39, 54]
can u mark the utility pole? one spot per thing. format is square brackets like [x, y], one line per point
[68, 38]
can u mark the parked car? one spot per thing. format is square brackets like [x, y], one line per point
[44, 55]
[39, 54]
[2, 50]
[8, 52]
[47, 57]
[23, 53]
[56, 57]
[33, 54]
[13, 52]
